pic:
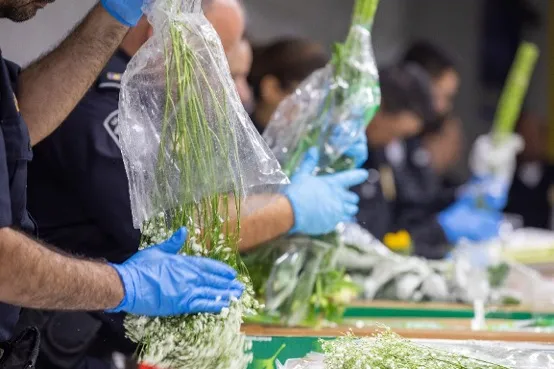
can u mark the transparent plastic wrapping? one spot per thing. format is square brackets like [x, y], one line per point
[193, 159]
[474, 272]
[184, 132]
[499, 354]
[297, 279]
[330, 109]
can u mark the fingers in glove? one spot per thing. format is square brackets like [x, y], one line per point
[309, 164]
[212, 267]
[207, 306]
[350, 210]
[349, 178]
[350, 197]
[209, 293]
[175, 243]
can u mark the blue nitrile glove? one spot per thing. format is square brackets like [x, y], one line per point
[127, 12]
[488, 192]
[158, 282]
[320, 203]
[354, 143]
[463, 221]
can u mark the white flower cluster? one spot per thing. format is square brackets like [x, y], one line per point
[199, 341]
[388, 350]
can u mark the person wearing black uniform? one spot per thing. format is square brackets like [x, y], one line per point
[80, 169]
[402, 192]
[33, 103]
[277, 69]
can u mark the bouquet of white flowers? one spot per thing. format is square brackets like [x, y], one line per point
[192, 157]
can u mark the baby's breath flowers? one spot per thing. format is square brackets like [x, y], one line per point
[387, 350]
[199, 341]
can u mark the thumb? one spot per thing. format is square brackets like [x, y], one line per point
[310, 161]
[175, 243]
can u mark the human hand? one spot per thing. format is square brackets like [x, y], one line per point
[159, 282]
[127, 12]
[489, 193]
[352, 141]
[320, 203]
[462, 221]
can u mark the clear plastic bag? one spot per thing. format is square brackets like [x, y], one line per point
[330, 111]
[511, 355]
[179, 82]
[193, 159]
[331, 108]
[295, 277]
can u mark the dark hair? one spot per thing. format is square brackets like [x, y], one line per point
[289, 60]
[430, 57]
[407, 88]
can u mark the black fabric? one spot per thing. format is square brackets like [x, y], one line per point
[78, 189]
[532, 202]
[15, 153]
[22, 351]
[78, 193]
[419, 196]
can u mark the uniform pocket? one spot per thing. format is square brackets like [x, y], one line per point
[18, 155]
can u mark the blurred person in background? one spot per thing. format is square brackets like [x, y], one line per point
[443, 138]
[277, 69]
[531, 193]
[492, 165]
[401, 193]
[80, 170]
[240, 62]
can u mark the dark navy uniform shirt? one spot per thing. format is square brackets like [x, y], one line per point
[15, 153]
[403, 193]
[78, 186]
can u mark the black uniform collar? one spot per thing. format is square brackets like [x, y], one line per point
[110, 78]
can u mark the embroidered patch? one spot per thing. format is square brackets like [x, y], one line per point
[114, 76]
[111, 124]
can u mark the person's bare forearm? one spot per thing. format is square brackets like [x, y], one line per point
[50, 88]
[266, 223]
[34, 276]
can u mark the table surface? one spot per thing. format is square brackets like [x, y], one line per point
[460, 332]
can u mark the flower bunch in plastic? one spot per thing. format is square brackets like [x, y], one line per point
[297, 277]
[332, 107]
[192, 157]
[388, 350]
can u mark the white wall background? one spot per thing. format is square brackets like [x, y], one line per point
[453, 24]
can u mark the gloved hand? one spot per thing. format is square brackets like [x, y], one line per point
[127, 12]
[462, 221]
[489, 159]
[347, 135]
[158, 282]
[488, 193]
[320, 203]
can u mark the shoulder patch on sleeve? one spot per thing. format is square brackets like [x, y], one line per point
[111, 124]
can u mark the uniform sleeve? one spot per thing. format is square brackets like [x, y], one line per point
[5, 202]
[96, 170]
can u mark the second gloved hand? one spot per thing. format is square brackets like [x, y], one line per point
[158, 282]
[463, 221]
[348, 138]
[320, 203]
[127, 12]
[488, 193]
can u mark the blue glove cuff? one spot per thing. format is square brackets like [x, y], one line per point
[128, 293]
[129, 23]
